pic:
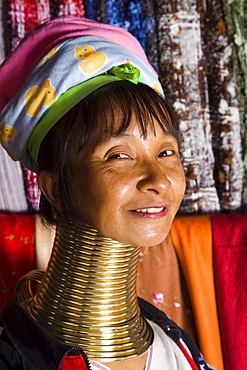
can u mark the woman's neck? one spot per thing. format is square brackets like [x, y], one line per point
[88, 295]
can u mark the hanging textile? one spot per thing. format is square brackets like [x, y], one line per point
[2, 41]
[23, 16]
[230, 259]
[223, 106]
[192, 239]
[184, 79]
[61, 8]
[235, 12]
[17, 254]
[12, 194]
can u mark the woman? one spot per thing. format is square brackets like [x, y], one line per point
[85, 115]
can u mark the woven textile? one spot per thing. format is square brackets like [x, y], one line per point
[2, 41]
[223, 107]
[22, 16]
[183, 76]
[235, 13]
[12, 195]
[195, 70]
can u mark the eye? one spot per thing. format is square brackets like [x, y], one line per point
[118, 156]
[166, 153]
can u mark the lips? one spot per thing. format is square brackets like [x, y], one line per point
[150, 212]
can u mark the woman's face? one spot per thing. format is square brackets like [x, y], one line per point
[129, 188]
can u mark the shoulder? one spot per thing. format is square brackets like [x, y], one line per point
[179, 336]
[15, 344]
[9, 358]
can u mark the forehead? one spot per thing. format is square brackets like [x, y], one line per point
[119, 128]
[117, 120]
[139, 127]
[110, 112]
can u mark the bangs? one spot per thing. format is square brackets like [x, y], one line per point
[109, 111]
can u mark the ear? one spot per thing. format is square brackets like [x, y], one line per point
[48, 184]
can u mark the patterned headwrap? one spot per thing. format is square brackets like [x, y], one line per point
[54, 67]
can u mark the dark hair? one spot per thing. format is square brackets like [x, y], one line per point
[105, 113]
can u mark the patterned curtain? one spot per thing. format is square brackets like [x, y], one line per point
[199, 50]
[196, 71]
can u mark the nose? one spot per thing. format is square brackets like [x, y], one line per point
[153, 179]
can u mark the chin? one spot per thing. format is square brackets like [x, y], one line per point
[140, 237]
[149, 240]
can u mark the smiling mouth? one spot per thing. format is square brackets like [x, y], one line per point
[150, 210]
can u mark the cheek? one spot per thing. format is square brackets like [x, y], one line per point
[107, 206]
[181, 178]
[113, 191]
[182, 189]
[179, 183]
[107, 193]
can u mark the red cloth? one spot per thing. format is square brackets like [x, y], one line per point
[17, 253]
[230, 256]
[73, 362]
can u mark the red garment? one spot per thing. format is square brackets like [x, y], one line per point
[17, 253]
[74, 362]
[230, 256]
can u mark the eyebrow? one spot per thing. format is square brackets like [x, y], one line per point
[124, 134]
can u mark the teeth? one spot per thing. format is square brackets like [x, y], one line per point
[150, 210]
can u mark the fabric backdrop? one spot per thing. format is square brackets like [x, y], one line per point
[199, 50]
